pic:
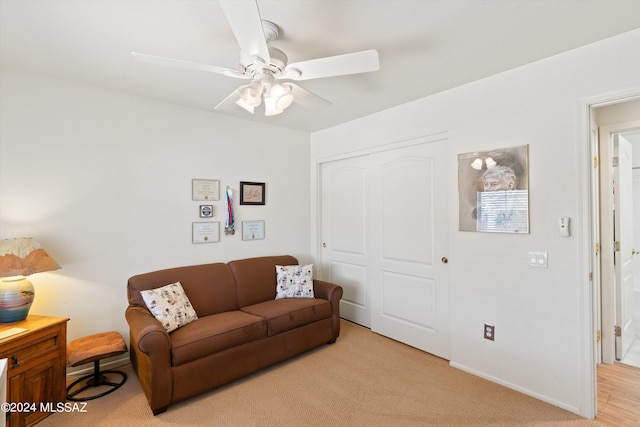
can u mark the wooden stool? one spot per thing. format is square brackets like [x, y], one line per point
[93, 349]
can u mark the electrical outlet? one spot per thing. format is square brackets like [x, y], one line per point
[489, 332]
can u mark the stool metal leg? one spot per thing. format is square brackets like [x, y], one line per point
[96, 379]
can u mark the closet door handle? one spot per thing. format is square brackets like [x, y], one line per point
[444, 260]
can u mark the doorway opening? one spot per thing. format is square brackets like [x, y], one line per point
[615, 132]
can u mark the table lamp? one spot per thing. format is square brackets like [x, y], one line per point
[20, 258]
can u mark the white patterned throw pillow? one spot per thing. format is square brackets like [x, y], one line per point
[294, 281]
[170, 305]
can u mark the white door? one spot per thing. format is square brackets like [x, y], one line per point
[409, 245]
[344, 234]
[623, 181]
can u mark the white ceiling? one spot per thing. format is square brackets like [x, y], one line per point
[425, 46]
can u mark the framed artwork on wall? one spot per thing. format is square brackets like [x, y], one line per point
[493, 190]
[252, 193]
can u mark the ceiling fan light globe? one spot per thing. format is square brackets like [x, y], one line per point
[251, 94]
[281, 96]
[244, 105]
[284, 101]
[270, 107]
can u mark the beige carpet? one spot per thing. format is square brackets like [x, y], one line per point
[363, 379]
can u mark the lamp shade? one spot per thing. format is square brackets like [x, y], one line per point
[19, 258]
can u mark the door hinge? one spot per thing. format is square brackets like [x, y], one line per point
[617, 244]
[615, 161]
[597, 248]
[595, 161]
[618, 331]
[598, 337]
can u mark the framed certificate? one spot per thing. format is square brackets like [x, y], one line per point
[252, 230]
[205, 189]
[206, 232]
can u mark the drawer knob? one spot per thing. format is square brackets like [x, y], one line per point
[14, 359]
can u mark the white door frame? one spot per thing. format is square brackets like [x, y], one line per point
[589, 303]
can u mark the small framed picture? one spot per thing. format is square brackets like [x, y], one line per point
[206, 211]
[252, 193]
[252, 230]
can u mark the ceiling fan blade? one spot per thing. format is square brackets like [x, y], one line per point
[159, 60]
[246, 24]
[307, 99]
[229, 103]
[339, 65]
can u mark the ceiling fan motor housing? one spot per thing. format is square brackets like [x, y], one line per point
[260, 70]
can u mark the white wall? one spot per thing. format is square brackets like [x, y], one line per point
[541, 315]
[103, 181]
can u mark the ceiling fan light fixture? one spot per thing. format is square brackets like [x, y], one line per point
[251, 94]
[270, 108]
[244, 105]
[277, 99]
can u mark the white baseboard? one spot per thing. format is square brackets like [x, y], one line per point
[517, 388]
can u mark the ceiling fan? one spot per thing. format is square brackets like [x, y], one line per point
[267, 68]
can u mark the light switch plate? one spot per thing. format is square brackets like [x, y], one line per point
[538, 259]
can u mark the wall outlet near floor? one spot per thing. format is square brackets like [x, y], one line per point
[489, 331]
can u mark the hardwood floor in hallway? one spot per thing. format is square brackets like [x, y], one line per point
[618, 395]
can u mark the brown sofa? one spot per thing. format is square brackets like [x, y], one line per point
[241, 327]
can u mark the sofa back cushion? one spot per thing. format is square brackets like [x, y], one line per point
[209, 287]
[256, 277]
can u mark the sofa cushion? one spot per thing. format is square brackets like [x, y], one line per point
[289, 313]
[215, 333]
[256, 277]
[170, 305]
[294, 281]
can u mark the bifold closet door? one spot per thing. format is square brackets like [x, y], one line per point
[344, 238]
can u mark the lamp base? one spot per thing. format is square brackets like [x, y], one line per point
[16, 297]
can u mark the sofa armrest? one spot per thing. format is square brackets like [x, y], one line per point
[151, 356]
[332, 293]
[147, 332]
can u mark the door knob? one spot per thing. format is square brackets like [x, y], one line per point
[634, 252]
[444, 260]
[324, 245]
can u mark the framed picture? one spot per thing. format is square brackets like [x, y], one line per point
[205, 232]
[252, 193]
[494, 190]
[252, 230]
[205, 189]
[206, 211]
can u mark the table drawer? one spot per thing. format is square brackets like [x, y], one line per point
[31, 349]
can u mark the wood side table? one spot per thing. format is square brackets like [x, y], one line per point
[36, 367]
